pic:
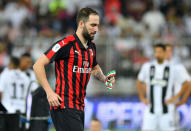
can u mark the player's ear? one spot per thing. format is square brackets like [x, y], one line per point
[81, 24]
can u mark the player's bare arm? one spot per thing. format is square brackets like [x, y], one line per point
[142, 91]
[184, 97]
[184, 92]
[109, 79]
[39, 69]
[98, 74]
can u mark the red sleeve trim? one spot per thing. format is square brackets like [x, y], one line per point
[62, 43]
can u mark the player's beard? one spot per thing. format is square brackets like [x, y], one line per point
[86, 34]
[160, 60]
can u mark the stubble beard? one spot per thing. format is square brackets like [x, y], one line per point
[86, 34]
[160, 60]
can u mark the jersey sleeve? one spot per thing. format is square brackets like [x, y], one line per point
[57, 50]
[182, 76]
[94, 58]
[143, 73]
[2, 82]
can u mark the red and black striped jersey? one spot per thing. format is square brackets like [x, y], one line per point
[73, 65]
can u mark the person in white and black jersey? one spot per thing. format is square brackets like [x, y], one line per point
[156, 80]
[14, 85]
[25, 68]
[180, 91]
[10, 120]
[33, 108]
[4, 77]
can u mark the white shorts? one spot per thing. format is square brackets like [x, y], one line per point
[162, 122]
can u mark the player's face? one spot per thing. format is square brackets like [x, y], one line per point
[90, 27]
[159, 54]
[95, 126]
[10, 66]
[168, 52]
[26, 63]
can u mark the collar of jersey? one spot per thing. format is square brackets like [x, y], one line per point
[164, 63]
[80, 43]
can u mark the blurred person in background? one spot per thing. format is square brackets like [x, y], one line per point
[15, 85]
[183, 90]
[154, 19]
[25, 68]
[187, 21]
[13, 65]
[16, 13]
[95, 125]
[9, 120]
[156, 80]
[75, 61]
[112, 10]
[4, 58]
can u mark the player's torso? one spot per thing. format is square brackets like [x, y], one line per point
[78, 60]
[160, 84]
[73, 73]
[15, 93]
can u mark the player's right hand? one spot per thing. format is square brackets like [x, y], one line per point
[53, 98]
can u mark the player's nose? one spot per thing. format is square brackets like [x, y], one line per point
[96, 29]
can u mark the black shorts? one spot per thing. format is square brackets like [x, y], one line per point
[68, 119]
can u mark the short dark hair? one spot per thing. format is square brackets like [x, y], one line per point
[168, 45]
[15, 61]
[160, 45]
[84, 14]
[26, 55]
[94, 118]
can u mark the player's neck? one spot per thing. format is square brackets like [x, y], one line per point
[22, 69]
[82, 39]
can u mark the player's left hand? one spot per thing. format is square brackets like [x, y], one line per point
[110, 79]
[171, 100]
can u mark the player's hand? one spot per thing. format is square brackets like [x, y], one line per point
[145, 101]
[171, 100]
[178, 104]
[110, 79]
[53, 98]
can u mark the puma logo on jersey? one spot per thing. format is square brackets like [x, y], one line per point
[76, 52]
[91, 52]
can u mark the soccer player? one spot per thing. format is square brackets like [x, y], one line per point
[13, 85]
[25, 68]
[13, 65]
[75, 61]
[183, 90]
[157, 79]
